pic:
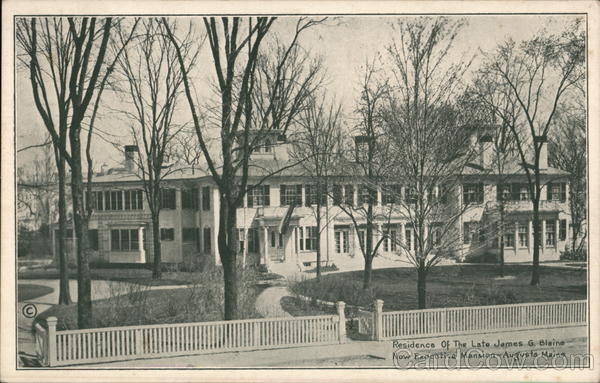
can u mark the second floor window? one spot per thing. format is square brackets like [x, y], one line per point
[189, 199]
[315, 194]
[367, 194]
[168, 199]
[291, 195]
[473, 193]
[259, 196]
[167, 234]
[134, 199]
[390, 194]
[557, 192]
[206, 198]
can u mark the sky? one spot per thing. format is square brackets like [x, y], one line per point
[344, 44]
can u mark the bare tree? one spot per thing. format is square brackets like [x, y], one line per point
[566, 152]
[536, 73]
[429, 143]
[78, 46]
[153, 81]
[241, 125]
[316, 147]
[370, 161]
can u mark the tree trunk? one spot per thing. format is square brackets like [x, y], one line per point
[501, 257]
[64, 294]
[228, 256]
[318, 242]
[421, 287]
[84, 286]
[157, 264]
[535, 270]
[367, 272]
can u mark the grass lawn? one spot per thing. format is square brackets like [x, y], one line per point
[28, 291]
[181, 305]
[450, 286]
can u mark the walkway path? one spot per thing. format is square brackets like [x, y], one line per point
[268, 303]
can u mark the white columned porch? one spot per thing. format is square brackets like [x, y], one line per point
[142, 251]
[266, 244]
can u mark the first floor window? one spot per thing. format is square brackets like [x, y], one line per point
[509, 240]
[550, 232]
[341, 241]
[311, 234]
[361, 239]
[562, 230]
[206, 240]
[408, 237]
[167, 234]
[389, 243]
[469, 231]
[124, 240]
[523, 234]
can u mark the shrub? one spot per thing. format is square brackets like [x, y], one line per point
[574, 255]
[335, 289]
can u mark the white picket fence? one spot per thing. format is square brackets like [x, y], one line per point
[134, 342]
[461, 320]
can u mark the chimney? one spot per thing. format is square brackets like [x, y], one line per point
[542, 142]
[103, 169]
[130, 151]
[486, 150]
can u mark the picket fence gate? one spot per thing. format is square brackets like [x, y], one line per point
[71, 347]
[462, 320]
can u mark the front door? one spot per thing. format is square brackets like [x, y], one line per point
[276, 245]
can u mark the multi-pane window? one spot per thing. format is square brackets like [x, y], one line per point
[189, 234]
[435, 235]
[410, 194]
[557, 192]
[189, 199]
[259, 196]
[113, 200]
[367, 194]
[473, 193]
[134, 199]
[342, 241]
[310, 238]
[550, 232]
[206, 240]
[362, 239]
[168, 199]
[503, 192]
[96, 200]
[315, 194]
[389, 242]
[253, 241]
[523, 192]
[124, 240]
[562, 230]
[343, 194]
[408, 236]
[167, 234]
[291, 195]
[509, 240]
[390, 194]
[523, 234]
[206, 198]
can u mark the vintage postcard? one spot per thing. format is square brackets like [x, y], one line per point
[300, 191]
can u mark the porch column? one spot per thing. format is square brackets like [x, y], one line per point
[517, 242]
[530, 235]
[142, 251]
[266, 245]
[543, 236]
[245, 251]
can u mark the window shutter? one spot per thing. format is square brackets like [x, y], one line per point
[267, 195]
[282, 200]
[549, 191]
[563, 192]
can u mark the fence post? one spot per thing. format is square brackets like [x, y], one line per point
[256, 334]
[139, 348]
[378, 320]
[51, 341]
[342, 321]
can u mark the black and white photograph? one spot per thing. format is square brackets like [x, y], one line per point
[246, 191]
